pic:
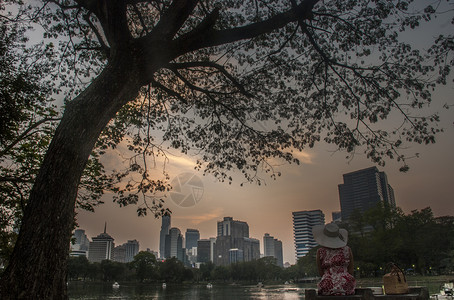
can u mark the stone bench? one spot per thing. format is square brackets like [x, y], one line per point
[415, 293]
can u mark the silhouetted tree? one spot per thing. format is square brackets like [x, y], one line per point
[78, 267]
[203, 73]
[145, 265]
[172, 270]
[112, 270]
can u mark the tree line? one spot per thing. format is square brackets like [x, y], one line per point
[418, 242]
[146, 269]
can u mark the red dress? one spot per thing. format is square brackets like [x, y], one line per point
[335, 280]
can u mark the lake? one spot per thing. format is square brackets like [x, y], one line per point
[85, 291]
[131, 291]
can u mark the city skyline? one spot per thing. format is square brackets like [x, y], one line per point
[311, 185]
[426, 184]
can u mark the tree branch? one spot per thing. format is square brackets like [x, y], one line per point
[173, 18]
[208, 37]
[104, 46]
[25, 133]
[216, 66]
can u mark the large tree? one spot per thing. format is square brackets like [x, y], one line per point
[239, 82]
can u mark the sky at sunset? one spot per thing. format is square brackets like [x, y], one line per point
[268, 208]
[311, 185]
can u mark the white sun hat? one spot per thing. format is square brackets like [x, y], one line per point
[330, 235]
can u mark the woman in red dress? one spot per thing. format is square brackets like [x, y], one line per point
[334, 261]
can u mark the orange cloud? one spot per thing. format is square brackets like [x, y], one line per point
[215, 214]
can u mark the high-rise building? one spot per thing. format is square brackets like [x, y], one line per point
[251, 249]
[132, 248]
[268, 245]
[81, 243]
[101, 247]
[165, 227]
[125, 253]
[363, 190]
[233, 228]
[174, 244]
[273, 247]
[336, 216]
[236, 255]
[119, 253]
[191, 238]
[212, 248]
[233, 234]
[303, 221]
[203, 251]
[278, 253]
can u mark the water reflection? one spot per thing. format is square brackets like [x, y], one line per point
[86, 291]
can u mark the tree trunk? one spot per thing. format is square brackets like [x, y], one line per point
[37, 268]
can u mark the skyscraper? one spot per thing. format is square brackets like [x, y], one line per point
[268, 245]
[125, 253]
[165, 226]
[203, 251]
[191, 238]
[363, 190]
[233, 234]
[119, 253]
[278, 253]
[101, 247]
[81, 243]
[132, 248]
[303, 221]
[273, 247]
[174, 244]
[233, 228]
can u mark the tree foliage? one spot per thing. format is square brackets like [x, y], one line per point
[239, 83]
[418, 241]
[29, 117]
[145, 264]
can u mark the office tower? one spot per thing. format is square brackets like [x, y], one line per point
[278, 253]
[336, 216]
[233, 234]
[191, 238]
[363, 190]
[101, 247]
[132, 248]
[174, 244]
[268, 245]
[203, 251]
[251, 249]
[303, 221]
[233, 228]
[119, 253]
[125, 253]
[81, 243]
[236, 255]
[273, 247]
[212, 248]
[165, 226]
[191, 254]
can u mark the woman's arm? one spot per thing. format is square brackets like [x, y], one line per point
[319, 264]
[350, 265]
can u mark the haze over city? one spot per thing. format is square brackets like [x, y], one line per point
[311, 185]
[268, 208]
